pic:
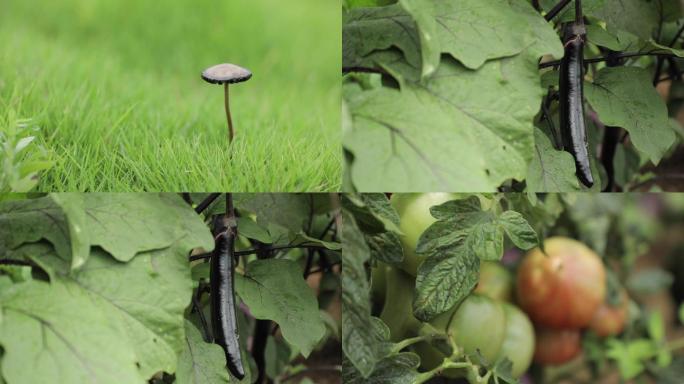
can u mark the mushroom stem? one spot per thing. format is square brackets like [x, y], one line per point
[231, 133]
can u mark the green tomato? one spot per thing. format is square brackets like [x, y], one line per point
[415, 217]
[398, 310]
[518, 343]
[495, 282]
[478, 324]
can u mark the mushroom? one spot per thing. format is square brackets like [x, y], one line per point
[226, 74]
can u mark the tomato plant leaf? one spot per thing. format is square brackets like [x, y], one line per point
[386, 247]
[519, 230]
[372, 212]
[201, 362]
[550, 170]
[57, 330]
[624, 97]
[274, 289]
[397, 369]
[453, 246]
[358, 339]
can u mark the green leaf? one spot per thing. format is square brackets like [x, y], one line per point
[358, 340]
[616, 40]
[373, 212]
[518, 230]
[73, 206]
[396, 369]
[624, 97]
[274, 289]
[453, 246]
[499, 28]
[386, 247]
[125, 224]
[639, 17]
[426, 26]
[59, 331]
[550, 170]
[289, 210]
[247, 227]
[151, 318]
[453, 132]
[28, 221]
[201, 362]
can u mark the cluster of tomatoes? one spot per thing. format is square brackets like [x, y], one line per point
[538, 314]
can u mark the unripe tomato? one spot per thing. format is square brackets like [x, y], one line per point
[610, 320]
[562, 288]
[495, 281]
[478, 324]
[556, 346]
[414, 214]
[398, 310]
[518, 344]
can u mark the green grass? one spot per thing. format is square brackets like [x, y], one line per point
[115, 88]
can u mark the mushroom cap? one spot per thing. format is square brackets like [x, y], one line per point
[226, 73]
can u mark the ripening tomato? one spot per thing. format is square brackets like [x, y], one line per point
[415, 217]
[518, 344]
[495, 281]
[562, 288]
[556, 346]
[610, 320]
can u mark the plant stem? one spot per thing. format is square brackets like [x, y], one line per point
[261, 330]
[624, 55]
[21, 263]
[204, 204]
[231, 133]
[408, 342]
[556, 9]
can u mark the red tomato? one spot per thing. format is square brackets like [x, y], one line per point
[610, 320]
[562, 288]
[556, 346]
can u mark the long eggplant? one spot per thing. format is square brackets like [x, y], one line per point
[223, 316]
[571, 93]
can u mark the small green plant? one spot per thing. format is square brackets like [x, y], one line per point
[22, 158]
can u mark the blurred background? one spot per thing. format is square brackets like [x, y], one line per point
[114, 90]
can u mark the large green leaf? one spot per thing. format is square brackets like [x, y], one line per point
[121, 223]
[147, 296]
[455, 132]
[274, 289]
[624, 97]
[471, 31]
[58, 332]
[201, 362]
[127, 223]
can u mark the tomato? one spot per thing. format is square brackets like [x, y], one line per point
[478, 324]
[398, 310]
[610, 320]
[414, 214]
[518, 343]
[495, 281]
[556, 346]
[562, 288]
